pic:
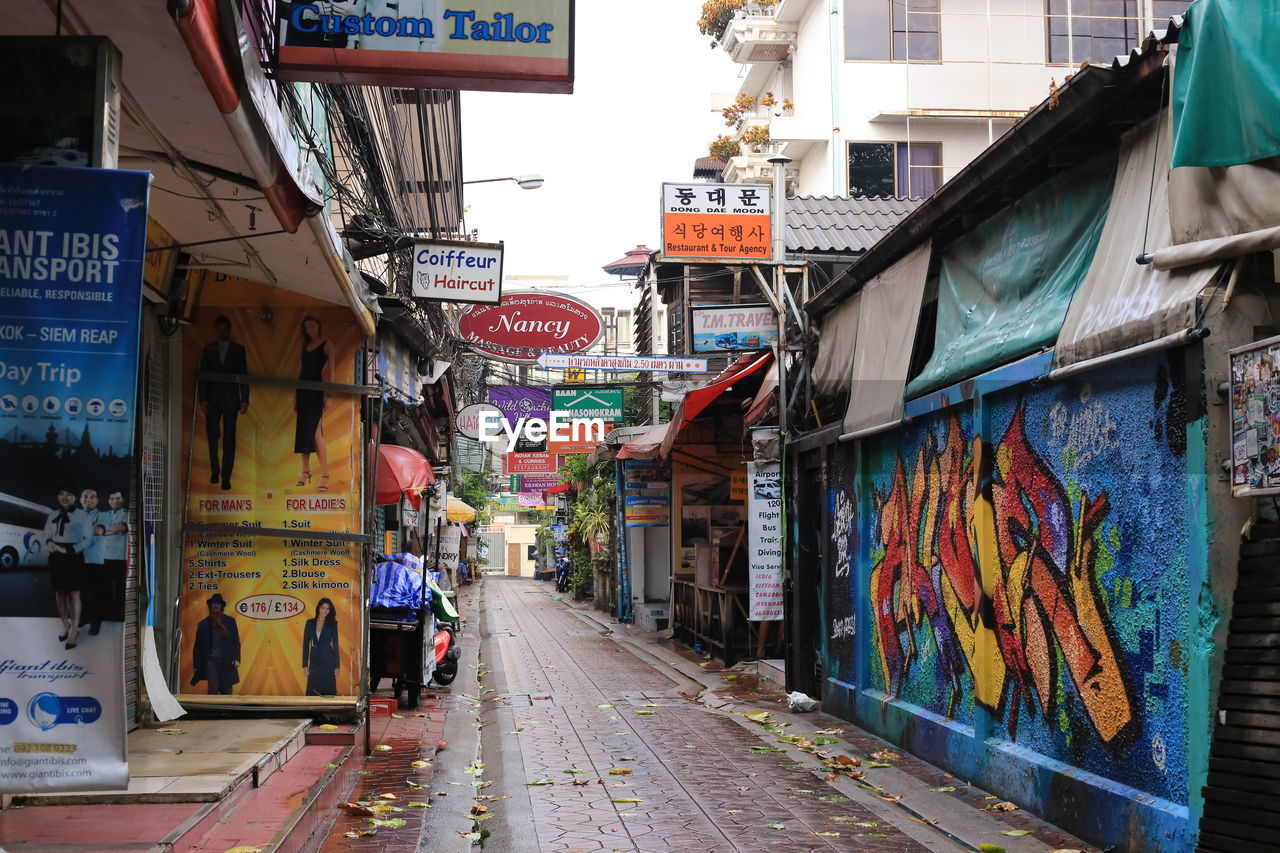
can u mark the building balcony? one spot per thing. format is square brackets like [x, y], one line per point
[755, 35]
[754, 168]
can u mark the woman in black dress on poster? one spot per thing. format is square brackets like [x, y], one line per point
[310, 404]
[320, 651]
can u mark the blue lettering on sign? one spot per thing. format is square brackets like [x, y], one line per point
[47, 710]
[308, 18]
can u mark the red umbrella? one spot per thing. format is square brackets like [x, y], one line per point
[401, 470]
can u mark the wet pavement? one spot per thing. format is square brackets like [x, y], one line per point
[567, 733]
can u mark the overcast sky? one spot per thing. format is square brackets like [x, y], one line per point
[640, 115]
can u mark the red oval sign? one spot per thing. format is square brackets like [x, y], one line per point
[527, 323]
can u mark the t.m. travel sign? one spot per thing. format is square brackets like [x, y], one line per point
[718, 328]
[493, 45]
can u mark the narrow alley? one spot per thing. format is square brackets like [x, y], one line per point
[596, 739]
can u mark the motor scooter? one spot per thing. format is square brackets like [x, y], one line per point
[445, 640]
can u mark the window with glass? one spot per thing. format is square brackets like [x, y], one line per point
[1100, 30]
[891, 30]
[911, 169]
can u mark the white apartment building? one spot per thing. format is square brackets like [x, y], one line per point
[894, 97]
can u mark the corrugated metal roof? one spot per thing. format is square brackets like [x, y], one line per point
[833, 224]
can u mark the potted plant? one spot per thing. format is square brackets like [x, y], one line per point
[787, 107]
[736, 113]
[766, 103]
[756, 138]
[724, 147]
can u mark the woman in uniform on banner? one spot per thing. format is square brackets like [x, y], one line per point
[320, 651]
[309, 404]
[68, 533]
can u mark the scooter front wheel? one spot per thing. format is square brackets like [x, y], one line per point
[446, 671]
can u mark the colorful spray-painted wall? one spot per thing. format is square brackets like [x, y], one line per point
[1020, 568]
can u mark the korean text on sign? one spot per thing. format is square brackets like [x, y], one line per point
[724, 221]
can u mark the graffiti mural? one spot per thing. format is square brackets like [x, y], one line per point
[1038, 574]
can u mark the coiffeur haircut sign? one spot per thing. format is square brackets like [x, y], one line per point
[72, 243]
[271, 615]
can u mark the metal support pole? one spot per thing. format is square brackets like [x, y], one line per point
[780, 162]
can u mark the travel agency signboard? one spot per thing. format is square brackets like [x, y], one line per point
[527, 323]
[490, 45]
[720, 328]
[723, 222]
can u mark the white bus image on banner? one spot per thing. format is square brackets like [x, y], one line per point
[21, 533]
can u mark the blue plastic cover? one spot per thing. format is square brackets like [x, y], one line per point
[396, 584]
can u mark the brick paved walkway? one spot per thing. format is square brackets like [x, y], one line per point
[580, 702]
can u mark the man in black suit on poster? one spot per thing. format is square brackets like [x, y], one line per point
[222, 402]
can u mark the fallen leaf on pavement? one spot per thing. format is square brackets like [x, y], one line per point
[627, 800]
[388, 796]
[991, 848]
[604, 706]
[874, 764]
[412, 784]
[765, 749]
[836, 798]
[582, 783]
[619, 771]
[479, 809]
[540, 782]
[420, 763]
[646, 713]
[356, 809]
[735, 811]
[389, 823]
[760, 717]
[945, 789]
[573, 770]
[828, 834]
[417, 805]
[893, 798]
[382, 747]
[328, 766]
[925, 821]
[242, 849]
[847, 761]
[364, 833]
[775, 826]
[1004, 807]
[626, 758]
[171, 731]
[393, 716]
[1016, 833]
[885, 755]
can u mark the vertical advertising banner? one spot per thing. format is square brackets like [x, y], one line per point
[270, 615]
[646, 489]
[764, 541]
[72, 243]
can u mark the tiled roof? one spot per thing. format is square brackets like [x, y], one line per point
[832, 224]
[708, 167]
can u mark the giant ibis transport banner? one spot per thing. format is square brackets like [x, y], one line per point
[72, 244]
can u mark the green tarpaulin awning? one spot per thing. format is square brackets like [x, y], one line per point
[1226, 84]
[1005, 286]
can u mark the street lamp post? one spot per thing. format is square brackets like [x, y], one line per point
[526, 182]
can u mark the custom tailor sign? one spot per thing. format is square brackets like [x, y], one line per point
[72, 244]
[492, 45]
[627, 363]
[527, 323]
[724, 222]
[457, 271]
[734, 327]
[271, 615]
[467, 422]
[764, 541]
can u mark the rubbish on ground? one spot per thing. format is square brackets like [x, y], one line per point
[799, 702]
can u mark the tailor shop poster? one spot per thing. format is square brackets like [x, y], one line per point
[72, 243]
[265, 615]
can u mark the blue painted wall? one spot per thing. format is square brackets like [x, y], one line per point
[1013, 575]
